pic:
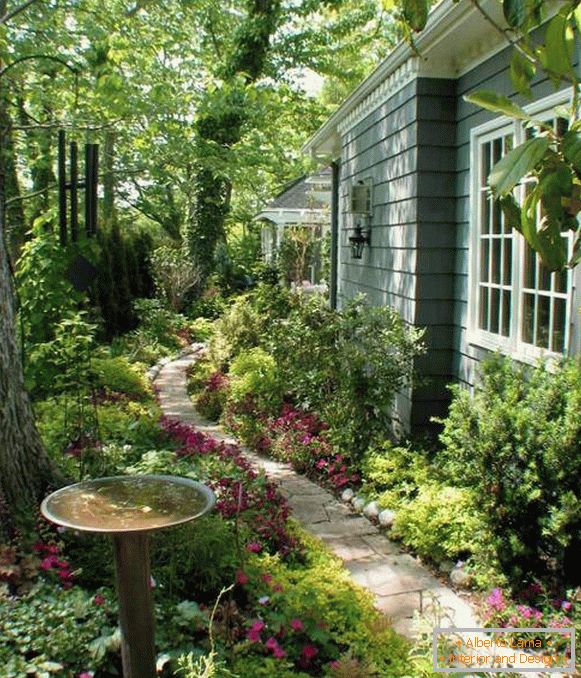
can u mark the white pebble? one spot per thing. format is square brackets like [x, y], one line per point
[386, 518]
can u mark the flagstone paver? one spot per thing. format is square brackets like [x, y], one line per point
[400, 584]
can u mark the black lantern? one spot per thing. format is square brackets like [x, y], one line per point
[358, 240]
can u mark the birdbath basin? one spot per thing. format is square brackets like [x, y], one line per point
[128, 508]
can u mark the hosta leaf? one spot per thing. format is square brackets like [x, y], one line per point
[516, 164]
[497, 103]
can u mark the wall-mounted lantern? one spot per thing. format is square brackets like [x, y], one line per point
[361, 204]
[359, 240]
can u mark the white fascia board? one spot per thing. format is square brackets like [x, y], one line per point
[442, 36]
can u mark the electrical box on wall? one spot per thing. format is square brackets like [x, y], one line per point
[360, 198]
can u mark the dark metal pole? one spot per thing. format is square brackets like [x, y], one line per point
[135, 605]
[74, 192]
[95, 186]
[335, 167]
[88, 180]
[62, 181]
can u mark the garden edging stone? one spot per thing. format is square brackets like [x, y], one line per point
[399, 583]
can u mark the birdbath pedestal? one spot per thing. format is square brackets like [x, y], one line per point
[128, 508]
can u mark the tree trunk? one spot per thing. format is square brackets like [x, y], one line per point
[222, 125]
[14, 210]
[25, 470]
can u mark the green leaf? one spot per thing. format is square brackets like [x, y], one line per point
[415, 13]
[511, 211]
[522, 72]
[497, 103]
[516, 164]
[571, 146]
[559, 43]
[515, 12]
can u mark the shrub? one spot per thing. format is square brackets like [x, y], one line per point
[254, 373]
[62, 364]
[345, 365]
[517, 442]
[212, 400]
[119, 375]
[198, 557]
[175, 275]
[440, 523]
[239, 328]
[394, 473]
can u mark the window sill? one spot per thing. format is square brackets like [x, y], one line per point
[522, 353]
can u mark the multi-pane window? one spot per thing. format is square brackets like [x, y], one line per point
[519, 303]
[495, 247]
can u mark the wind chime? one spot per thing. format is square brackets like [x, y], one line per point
[90, 184]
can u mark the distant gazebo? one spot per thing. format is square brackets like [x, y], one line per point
[302, 202]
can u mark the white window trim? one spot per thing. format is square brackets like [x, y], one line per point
[512, 344]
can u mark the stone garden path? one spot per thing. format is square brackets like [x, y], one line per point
[399, 583]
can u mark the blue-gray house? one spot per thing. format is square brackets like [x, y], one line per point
[410, 161]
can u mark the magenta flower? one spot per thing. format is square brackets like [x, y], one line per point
[254, 547]
[99, 599]
[241, 578]
[277, 651]
[296, 625]
[254, 631]
[309, 652]
[566, 605]
[49, 562]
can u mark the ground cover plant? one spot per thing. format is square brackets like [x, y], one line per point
[289, 607]
[498, 495]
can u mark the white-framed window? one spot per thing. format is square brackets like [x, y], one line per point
[515, 304]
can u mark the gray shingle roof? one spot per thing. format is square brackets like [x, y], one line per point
[298, 194]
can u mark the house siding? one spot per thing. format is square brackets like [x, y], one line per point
[406, 146]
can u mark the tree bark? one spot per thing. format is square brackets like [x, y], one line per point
[25, 470]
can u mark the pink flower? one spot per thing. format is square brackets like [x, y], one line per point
[296, 625]
[254, 631]
[241, 578]
[49, 562]
[99, 599]
[85, 674]
[277, 651]
[254, 547]
[566, 605]
[266, 578]
[309, 651]
[277, 588]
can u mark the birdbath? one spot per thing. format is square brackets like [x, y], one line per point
[129, 508]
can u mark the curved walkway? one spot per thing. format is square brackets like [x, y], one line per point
[399, 583]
